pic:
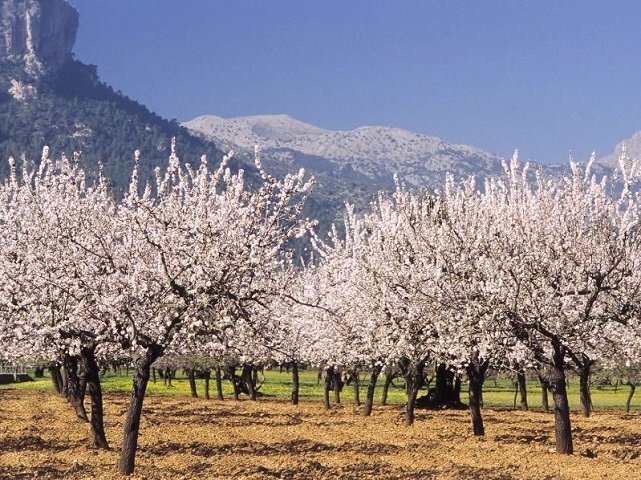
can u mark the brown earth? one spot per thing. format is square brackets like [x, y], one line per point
[183, 438]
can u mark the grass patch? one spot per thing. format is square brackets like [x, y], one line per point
[499, 393]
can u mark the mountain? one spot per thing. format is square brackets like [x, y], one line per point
[349, 166]
[47, 97]
[37, 34]
[372, 155]
[632, 149]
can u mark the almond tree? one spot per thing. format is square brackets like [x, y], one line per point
[57, 230]
[384, 289]
[293, 330]
[199, 248]
[468, 295]
[562, 250]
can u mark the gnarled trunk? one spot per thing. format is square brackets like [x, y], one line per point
[584, 388]
[388, 382]
[562, 424]
[327, 387]
[337, 385]
[191, 374]
[476, 376]
[249, 380]
[369, 401]
[75, 390]
[447, 390]
[56, 378]
[413, 378]
[134, 411]
[630, 395]
[92, 376]
[230, 373]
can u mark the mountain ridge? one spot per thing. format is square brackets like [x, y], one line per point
[632, 146]
[377, 152]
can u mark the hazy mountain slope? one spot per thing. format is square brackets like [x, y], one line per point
[376, 153]
[632, 147]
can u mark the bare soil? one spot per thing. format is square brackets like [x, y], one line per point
[184, 438]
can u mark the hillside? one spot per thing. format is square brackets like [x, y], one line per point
[49, 98]
[74, 111]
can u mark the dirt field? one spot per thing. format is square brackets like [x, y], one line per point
[185, 438]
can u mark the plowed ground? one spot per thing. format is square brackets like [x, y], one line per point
[183, 438]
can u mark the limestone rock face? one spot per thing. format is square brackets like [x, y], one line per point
[38, 33]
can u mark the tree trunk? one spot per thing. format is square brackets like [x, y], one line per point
[169, 374]
[562, 425]
[457, 390]
[545, 404]
[476, 376]
[369, 401]
[337, 385]
[153, 375]
[295, 383]
[127, 460]
[56, 378]
[65, 383]
[191, 373]
[521, 381]
[545, 386]
[230, 373]
[39, 371]
[356, 385]
[388, 382]
[207, 376]
[219, 384]
[327, 387]
[74, 392]
[447, 388]
[631, 394]
[92, 376]
[413, 377]
[248, 378]
[82, 379]
[584, 389]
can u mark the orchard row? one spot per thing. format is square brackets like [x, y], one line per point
[197, 269]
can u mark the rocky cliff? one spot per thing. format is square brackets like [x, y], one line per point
[38, 34]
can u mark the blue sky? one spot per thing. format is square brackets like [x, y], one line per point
[543, 76]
